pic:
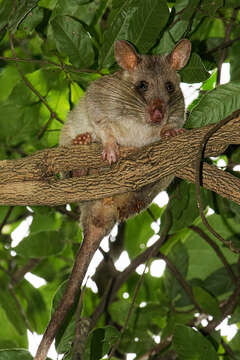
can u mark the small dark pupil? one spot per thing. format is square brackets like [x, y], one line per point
[169, 87]
[142, 85]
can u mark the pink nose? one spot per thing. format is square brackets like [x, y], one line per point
[156, 110]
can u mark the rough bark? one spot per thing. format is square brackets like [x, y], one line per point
[33, 180]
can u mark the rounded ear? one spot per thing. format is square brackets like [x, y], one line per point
[125, 55]
[180, 54]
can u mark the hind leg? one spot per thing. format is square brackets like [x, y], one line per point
[97, 220]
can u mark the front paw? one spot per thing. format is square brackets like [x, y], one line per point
[110, 152]
[82, 139]
[168, 132]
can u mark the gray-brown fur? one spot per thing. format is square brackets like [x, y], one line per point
[118, 110]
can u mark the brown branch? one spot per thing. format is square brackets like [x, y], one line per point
[32, 180]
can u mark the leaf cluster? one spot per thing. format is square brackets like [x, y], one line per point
[50, 50]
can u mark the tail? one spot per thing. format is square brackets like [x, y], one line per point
[98, 219]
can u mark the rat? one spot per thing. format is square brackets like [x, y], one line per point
[138, 105]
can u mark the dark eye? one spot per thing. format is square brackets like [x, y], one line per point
[142, 86]
[170, 87]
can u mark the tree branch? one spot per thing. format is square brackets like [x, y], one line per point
[33, 181]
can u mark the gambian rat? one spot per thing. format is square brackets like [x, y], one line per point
[138, 105]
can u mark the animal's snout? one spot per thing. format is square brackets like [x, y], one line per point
[157, 110]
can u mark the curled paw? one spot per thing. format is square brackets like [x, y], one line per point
[82, 139]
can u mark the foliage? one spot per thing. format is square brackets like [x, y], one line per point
[61, 46]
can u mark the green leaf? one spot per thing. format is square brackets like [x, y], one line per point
[201, 252]
[183, 206]
[20, 126]
[234, 53]
[32, 20]
[36, 309]
[235, 343]
[97, 344]
[231, 3]
[195, 70]
[191, 345]
[9, 336]
[73, 40]
[15, 354]
[83, 10]
[41, 244]
[45, 222]
[210, 7]
[148, 21]
[219, 282]
[207, 302]
[165, 45]
[22, 9]
[117, 29]
[100, 341]
[48, 4]
[8, 78]
[119, 311]
[5, 11]
[12, 311]
[215, 105]
[137, 233]
[210, 83]
[138, 21]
